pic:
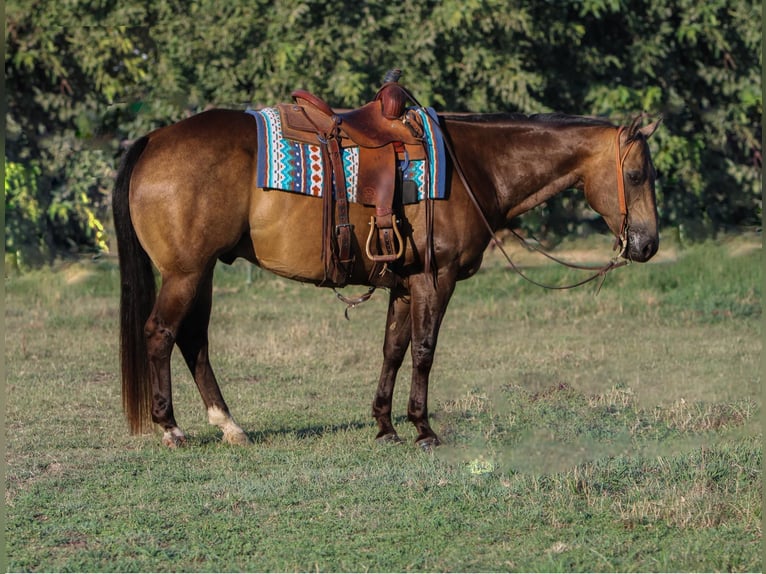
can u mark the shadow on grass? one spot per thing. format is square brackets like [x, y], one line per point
[313, 431]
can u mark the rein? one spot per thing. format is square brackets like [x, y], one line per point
[352, 302]
[600, 271]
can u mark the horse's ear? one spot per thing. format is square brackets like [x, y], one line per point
[648, 130]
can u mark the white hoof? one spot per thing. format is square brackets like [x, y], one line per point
[173, 438]
[236, 436]
[232, 432]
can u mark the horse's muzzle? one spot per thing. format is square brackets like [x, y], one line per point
[641, 245]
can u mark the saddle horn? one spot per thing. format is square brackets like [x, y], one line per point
[392, 75]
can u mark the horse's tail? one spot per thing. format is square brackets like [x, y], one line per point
[137, 296]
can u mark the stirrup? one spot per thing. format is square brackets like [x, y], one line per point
[384, 258]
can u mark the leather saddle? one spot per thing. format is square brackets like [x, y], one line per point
[384, 131]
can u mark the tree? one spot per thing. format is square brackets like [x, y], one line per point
[698, 63]
[81, 84]
[62, 79]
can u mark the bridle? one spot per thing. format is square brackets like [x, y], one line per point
[621, 240]
[622, 237]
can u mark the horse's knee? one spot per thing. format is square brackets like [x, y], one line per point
[422, 357]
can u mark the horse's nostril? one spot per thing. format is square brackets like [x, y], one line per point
[650, 249]
[642, 248]
[646, 251]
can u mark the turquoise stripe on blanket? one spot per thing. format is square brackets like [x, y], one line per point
[291, 166]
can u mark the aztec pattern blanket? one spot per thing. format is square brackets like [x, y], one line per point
[292, 166]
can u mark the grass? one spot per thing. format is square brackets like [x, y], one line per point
[611, 433]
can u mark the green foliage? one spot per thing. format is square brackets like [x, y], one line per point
[698, 64]
[25, 218]
[81, 83]
[61, 78]
[38, 224]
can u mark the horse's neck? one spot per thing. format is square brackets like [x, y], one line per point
[524, 163]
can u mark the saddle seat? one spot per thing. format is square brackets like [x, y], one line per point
[378, 123]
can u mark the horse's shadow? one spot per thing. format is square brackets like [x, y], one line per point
[309, 432]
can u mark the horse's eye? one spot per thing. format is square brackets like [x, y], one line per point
[636, 177]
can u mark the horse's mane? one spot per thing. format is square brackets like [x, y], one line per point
[555, 118]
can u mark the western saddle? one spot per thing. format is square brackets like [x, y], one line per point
[384, 131]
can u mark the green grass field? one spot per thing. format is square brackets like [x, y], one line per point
[618, 432]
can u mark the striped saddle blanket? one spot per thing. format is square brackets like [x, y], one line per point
[287, 165]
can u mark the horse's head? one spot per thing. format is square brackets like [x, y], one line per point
[620, 187]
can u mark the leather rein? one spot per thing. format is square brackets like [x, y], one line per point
[621, 241]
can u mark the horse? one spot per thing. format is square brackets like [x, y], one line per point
[185, 197]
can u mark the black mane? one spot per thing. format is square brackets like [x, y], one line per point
[548, 118]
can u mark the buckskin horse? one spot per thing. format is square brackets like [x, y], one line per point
[185, 197]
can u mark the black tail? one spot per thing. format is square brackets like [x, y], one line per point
[137, 296]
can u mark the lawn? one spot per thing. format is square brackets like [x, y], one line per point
[582, 432]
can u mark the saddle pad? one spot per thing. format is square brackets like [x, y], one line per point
[291, 166]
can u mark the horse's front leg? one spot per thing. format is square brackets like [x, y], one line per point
[397, 339]
[428, 305]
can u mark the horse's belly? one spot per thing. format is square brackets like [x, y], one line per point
[286, 233]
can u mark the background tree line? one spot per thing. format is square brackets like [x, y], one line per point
[85, 76]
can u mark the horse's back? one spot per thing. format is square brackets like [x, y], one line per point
[191, 189]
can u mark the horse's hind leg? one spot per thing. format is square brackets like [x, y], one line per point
[193, 341]
[175, 298]
[181, 314]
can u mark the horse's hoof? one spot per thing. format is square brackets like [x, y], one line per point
[428, 444]
[236, 438]
[174, 438]
[390, 438]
